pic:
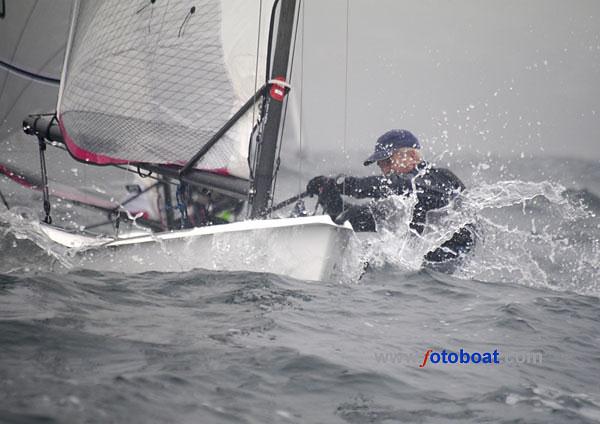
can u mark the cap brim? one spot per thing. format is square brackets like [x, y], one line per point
[377, 156]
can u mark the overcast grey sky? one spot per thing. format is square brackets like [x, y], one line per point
[480, 76]
[474, 76]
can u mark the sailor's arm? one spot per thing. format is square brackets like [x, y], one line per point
[375, 187]
[443, 183]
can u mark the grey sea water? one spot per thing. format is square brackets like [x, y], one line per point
[233, 347]
[221, 347]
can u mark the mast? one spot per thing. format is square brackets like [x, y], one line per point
[263, 180]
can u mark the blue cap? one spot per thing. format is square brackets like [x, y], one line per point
[391, 141]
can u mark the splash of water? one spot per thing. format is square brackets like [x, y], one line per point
[535, 236]
[528, 233]
[22, 224]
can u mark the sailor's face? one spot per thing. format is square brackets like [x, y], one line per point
[402, 161]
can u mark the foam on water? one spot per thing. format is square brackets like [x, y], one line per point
[248, 347]
[20, 225]
[527, 232]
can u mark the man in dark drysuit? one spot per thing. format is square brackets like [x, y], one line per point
[397, 154]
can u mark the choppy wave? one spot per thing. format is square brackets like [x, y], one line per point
[206, 346]
[533, 233]
[238, 347]
[24, 245]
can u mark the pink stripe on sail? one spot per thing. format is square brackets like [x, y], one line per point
[68, 193]
[85, 155]
[17, 178]
[99, 159]
[219, 171]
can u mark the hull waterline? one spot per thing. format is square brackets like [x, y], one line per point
[308, 248]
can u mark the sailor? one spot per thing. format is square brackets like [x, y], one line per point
[397, 153]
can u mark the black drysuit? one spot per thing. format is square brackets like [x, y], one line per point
[434, 188]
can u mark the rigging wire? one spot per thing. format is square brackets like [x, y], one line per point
[270, 41]
[37, 77]
[257, 127]
[30, 76]
[346, 90]
[252, 164]
[282, 130]
[30, 81]
[260, 6]
[4, 201]
[300, 150]
[17, 45]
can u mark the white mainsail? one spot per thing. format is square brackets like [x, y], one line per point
[152, 81]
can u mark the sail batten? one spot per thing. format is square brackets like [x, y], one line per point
[155, 84]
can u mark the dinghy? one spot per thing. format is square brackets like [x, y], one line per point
[193, 93]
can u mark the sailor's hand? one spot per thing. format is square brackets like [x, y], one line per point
[316, 185]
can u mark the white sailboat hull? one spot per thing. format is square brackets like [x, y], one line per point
[307, 248]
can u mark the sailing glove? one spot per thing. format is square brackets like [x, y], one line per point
[316, 185]
[329, 194]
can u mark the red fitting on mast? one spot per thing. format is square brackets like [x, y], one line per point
[279, 88]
